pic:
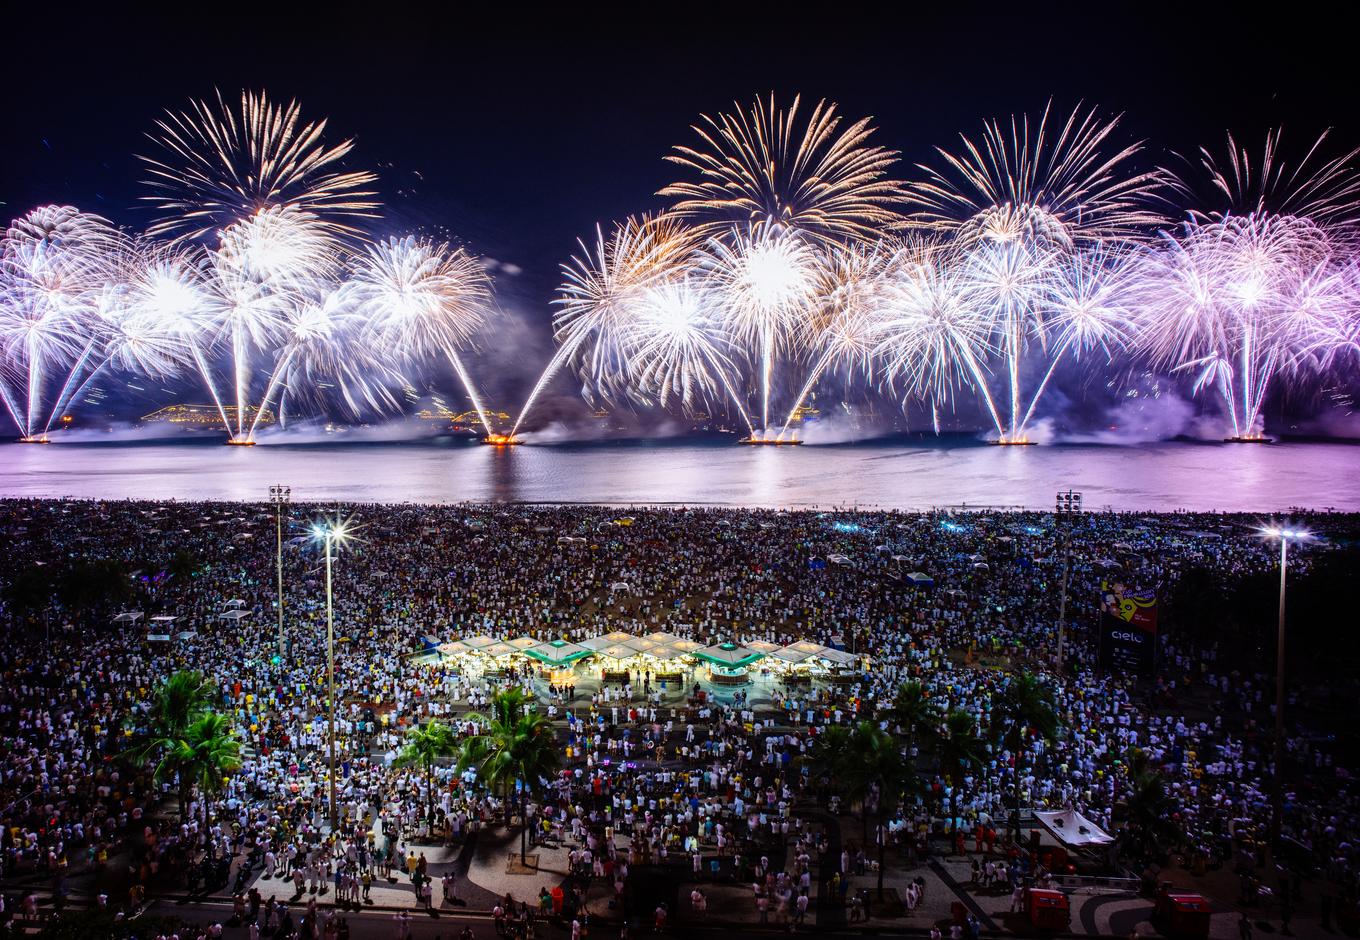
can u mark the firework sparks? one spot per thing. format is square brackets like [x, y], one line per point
[282, 247]
[602, 286]
[1256, 284]
[1316, 187]
[677, 345]
[762, 167]
[55, 263]
[217, 165]
[1238, 301]
[424, 300]
[325, 350]
[1008, 281]
[850, 289]
[1053, 181]
[765, 280]
[929, 334]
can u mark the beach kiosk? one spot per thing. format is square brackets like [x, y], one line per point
[728, 663]
[795, 661]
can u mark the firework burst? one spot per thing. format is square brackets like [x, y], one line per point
[763, 166]
[1316, 187]
[424, 299]
[1056, 182]
[601, 289]
[325, 354]
[216, 165]
[850, 291]
[55, 264]
[929, 334]
[765, 280]
[1239, 301]
[283, 247]
[676, 346]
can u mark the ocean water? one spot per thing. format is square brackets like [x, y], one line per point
[889, 473]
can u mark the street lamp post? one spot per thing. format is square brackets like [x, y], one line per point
[280, 496]
[1067, 505]
[332, 534]
[1285, 536]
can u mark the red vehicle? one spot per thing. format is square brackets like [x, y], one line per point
[1180, 914]
[1047, 909]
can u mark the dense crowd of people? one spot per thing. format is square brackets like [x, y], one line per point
[723, 782]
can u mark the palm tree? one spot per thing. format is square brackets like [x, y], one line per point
[512, 746]
[181, 698]
[30, 590]
[509, 704]
[914, 712]
[1026, 703]
[208, 752]
[1150, 827]
[95, 584]
[183, 565]
[424, 746]
[831, 753]
[876, 765]
[959, 749]
[176, 705]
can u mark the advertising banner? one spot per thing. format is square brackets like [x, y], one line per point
[1128, 629]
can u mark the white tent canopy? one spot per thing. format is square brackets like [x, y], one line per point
[128, 616]
[236, 602]
[839, 657]
[233, 615]
[793, 653]
[1072, 828]
[661, 636]
[614, 638]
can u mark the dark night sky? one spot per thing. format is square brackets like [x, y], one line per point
[528, 128]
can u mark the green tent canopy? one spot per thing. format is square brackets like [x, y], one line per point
[728, 654]
[558, 652]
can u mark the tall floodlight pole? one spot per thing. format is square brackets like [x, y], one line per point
[280, 496]
[1068, 505]
[332, 534]
[1284, 535]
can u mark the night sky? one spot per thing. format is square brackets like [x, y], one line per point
[516, 132]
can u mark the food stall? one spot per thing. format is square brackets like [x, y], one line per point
[728, 663]
[558, 658]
